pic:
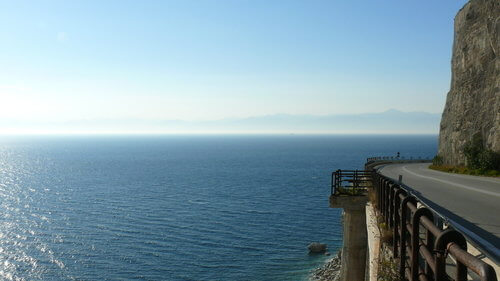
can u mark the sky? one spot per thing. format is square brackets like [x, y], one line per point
[63, 61]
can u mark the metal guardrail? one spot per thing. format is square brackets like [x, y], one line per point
[419, 239]
[486, 247]
[395, 158]
[350, 182]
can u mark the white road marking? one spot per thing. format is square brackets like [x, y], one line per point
[452, 183]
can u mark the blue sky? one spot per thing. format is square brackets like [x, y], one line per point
[206, 60]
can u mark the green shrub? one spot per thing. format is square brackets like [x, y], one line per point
[472, 150]
[465, 170]
[489, 160]
[437, 160]
[349, 190]
[492, 173]
[480, 158]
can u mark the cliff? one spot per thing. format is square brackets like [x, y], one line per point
[473, 102]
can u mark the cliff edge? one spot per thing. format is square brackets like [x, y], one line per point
[473, 102]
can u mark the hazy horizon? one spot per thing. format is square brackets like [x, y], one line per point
[67, 62]
[387, 122]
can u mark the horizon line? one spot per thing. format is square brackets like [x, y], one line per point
[211, 134]
[227, 118]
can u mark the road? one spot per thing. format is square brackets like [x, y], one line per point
[472, 201]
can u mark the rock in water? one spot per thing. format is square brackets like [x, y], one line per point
[316, 247]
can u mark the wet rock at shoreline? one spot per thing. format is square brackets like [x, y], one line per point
[330, 271]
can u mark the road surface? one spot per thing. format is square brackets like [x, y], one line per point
[472, 201]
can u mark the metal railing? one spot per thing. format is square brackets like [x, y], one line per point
[350, 182]
[396, 158]
[420, 242]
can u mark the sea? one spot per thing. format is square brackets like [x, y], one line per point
[176, 207]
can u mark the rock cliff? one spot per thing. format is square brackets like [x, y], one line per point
[473, 102]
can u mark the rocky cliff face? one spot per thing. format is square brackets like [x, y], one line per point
[473, 103]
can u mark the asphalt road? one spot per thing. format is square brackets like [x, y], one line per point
[472, 201]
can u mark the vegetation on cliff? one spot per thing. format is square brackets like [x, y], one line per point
[479, 157]
[479, 160]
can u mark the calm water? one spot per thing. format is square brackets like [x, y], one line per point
[175, 207]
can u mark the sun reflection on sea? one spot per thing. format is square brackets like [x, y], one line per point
[23, 255]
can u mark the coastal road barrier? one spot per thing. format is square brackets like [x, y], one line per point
[397, 159]
[421, 241]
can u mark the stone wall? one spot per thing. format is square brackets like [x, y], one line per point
[473, 102]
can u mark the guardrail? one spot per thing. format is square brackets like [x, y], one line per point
[350, 182]
[419, 239]
[396, 158]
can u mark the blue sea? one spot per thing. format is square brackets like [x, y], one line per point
[175, 207]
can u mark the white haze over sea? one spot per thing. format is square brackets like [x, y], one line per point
[388, 122]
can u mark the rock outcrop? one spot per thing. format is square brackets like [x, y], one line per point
[473, 102]
[316, 247]
[330, 271]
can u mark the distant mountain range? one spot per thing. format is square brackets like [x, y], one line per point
[388, 122]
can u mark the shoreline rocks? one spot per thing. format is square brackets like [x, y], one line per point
[330, 271]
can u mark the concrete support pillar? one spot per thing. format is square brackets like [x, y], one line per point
[355, 236]
[354, 248]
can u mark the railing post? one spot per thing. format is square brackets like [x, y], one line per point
[381, 183]
[338, 184]
[387, 195]
[391, 205]
[429, 243]
[415, 239]
[379, 193]
[403, 230]
[355, 179]
[440, 248]
[334, 182]
[385, 187]
[340, 179]
[397, 221]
